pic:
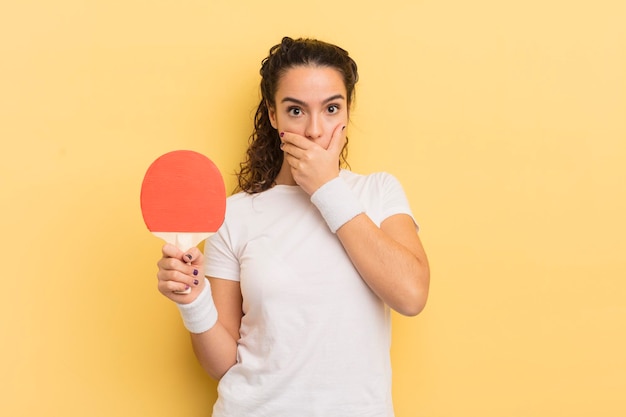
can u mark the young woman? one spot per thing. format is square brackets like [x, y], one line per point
[294, 316]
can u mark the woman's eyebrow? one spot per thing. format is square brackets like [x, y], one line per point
[302, 103]
[292, 100]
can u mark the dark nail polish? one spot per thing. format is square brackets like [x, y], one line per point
[196, 282]
[282, 134]
[188, 256]
[195, 272]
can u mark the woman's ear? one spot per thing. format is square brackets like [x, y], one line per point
[271, 113]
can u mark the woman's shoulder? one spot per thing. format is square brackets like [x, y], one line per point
[239, 200]
[243, 202]
[238, 196]
[380, 178]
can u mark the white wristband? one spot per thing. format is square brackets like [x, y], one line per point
[200, 315]
[337, 203]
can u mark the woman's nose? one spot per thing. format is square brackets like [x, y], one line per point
[314, 128]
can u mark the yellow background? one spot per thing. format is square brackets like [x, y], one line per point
[504, 120]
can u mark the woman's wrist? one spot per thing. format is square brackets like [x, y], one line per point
[200, 315]
[337, 203]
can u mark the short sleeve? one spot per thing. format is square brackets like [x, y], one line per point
[220, 260]
[394, 200]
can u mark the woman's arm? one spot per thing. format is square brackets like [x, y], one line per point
[215, 348]
[390, 259]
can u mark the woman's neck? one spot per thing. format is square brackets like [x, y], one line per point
[284, 176]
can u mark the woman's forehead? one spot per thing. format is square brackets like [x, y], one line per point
[312, 82]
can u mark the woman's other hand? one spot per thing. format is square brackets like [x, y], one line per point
[311, 165]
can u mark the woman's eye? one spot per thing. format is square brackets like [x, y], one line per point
[333, 108]
[295, 111]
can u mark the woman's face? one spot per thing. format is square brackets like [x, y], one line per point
[311, 102]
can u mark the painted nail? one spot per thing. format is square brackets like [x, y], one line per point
[195, 272]
[188, 256]
[196, 282]
[282, 134]
[187, 287]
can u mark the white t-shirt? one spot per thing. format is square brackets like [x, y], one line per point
[314, 338]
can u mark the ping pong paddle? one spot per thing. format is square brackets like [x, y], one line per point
[183, 198]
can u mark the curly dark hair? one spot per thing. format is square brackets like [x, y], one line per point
[264, 157]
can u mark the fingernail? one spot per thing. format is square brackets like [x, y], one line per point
[195, 272]
[282, 144]
[282, 134]
[188, 256]
[187, 287]
[196, 282]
